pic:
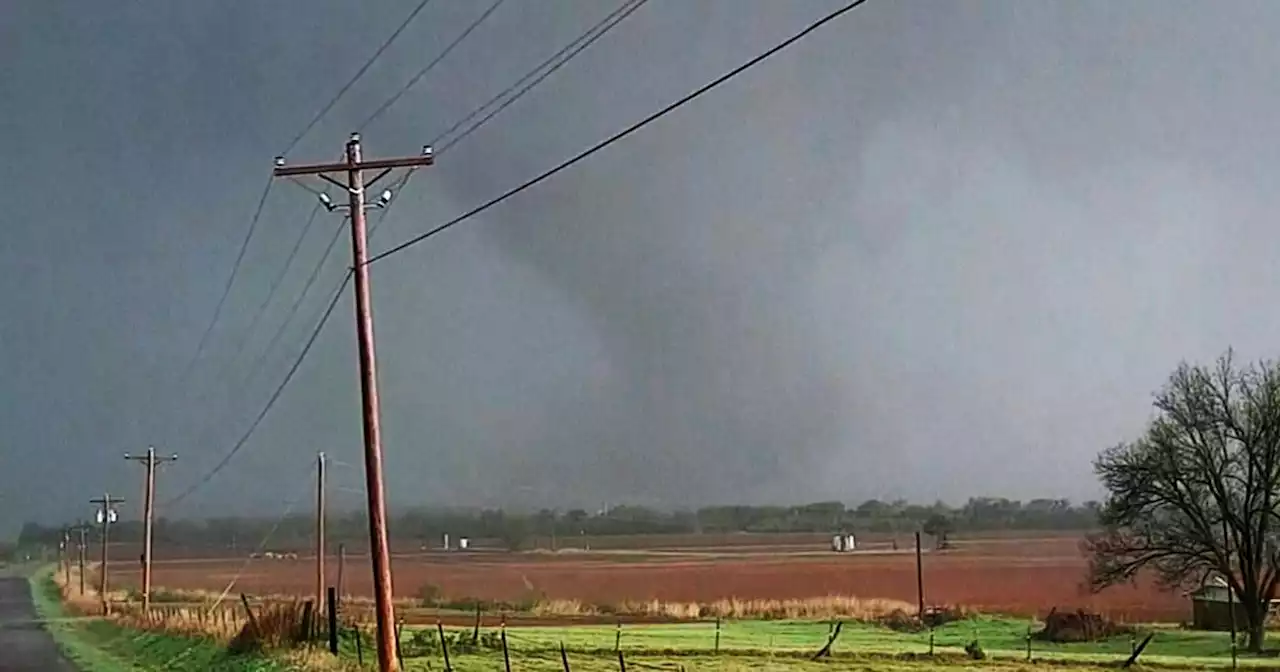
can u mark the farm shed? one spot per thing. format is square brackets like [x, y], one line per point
[1212, 604]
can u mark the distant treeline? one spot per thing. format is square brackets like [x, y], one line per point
[515, 530]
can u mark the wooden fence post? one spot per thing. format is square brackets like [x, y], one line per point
[506, 657]
[253, 621]
[399, 652]
[444, 646]
[332, 597]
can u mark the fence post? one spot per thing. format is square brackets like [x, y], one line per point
[359, 645]
[1028, 642]
[444, 646]
[399, 652]
[253, 621]
[506, 657]
[617, 638]
[564, 657]
[717, 634]
[331, 596]
[308, 625]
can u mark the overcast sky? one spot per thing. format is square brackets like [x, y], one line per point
[935, 250]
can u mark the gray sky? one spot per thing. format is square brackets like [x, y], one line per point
[935, 250]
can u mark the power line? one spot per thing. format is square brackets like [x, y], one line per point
[256, 368]
[262, 545]
[516, 84]
[315, 273]
[439, 57]
[397, 188]
[271, 401]
[623, 133]
[359, 73]
[226, 290]
[275, 283]
[574, 48]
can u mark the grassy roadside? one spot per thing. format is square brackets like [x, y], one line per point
[96, 645]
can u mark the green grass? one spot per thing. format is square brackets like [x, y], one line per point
[95, 645]
[777, 646]
[550, 662]
[785, 644]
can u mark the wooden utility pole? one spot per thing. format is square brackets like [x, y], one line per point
[320, 546]
[919, 580]
[106, 516]
[354, 166]
[64, 552]
[83, 529]
[148, 514]
[342, 567]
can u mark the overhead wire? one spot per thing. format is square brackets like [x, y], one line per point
[275, 396]
[396, 188]
[226, 289]
[256, 367]
[386, 105]
[700, 91]
[595, 32]
[577, 46]
[261, 546]
[258, 364]
[355, 78]
[275, 283]
[189, 368]
[204, 339]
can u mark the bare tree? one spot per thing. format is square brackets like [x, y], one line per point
[1196, 495]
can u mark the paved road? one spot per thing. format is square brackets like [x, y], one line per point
[24, 644]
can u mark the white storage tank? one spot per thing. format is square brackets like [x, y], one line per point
[463, 542]
[837, 543]
[850, 543]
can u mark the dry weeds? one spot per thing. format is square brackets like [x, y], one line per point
[828, 607]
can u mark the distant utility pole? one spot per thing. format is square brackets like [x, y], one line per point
[83, 545]
[320, 578]
[106, 516]
[354, 166]
[149, 497]
[64, 553]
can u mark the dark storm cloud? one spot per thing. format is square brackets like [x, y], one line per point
[932, 251]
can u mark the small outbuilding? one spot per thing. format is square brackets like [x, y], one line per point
[1212, 604]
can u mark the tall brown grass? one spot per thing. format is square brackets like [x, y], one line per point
[828, 607]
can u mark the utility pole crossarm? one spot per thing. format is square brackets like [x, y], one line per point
[150, 460]
[427, 159]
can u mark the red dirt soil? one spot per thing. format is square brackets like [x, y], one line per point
[1008, 575]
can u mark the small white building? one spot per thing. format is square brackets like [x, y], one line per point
[843, 543]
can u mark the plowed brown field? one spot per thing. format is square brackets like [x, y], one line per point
[1005, 575]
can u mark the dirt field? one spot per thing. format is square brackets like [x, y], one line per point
[1002, 575]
